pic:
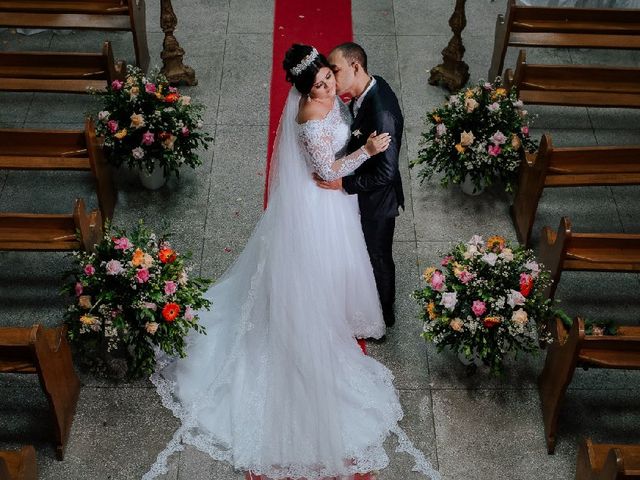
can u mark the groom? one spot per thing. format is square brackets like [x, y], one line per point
[377, 181]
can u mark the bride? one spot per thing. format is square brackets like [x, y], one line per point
[278, 386]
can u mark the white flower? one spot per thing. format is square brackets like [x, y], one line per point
[489, 258]
[533, 267]
[506, 254]
[519, 317]
[449, 300]
[498, 138]
[441, 129]
[493, 107]
[476, 240]
[185, 100]
[472, 250]
[356, 133]
[103, 115]
[137, 153]
[515, 298]
[518, 104]
[454, 100]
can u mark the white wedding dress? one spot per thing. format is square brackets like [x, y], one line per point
[279, 386]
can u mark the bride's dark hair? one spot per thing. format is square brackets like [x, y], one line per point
[306, 78]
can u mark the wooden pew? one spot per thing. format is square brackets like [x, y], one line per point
[575, 85]
[572, 349]
[552, 167]
[55, 72]
[25, 149]
[107, 15]
[600, 252]
[607, 461]
[51, 232]
[557, 27]
[45, 352]
[20, 465]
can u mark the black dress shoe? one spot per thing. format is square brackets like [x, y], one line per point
[390, 320]
[377, 341]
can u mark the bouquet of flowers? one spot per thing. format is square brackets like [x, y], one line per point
[132, 295]
[481, 133]
[486, 299]
[149, 124]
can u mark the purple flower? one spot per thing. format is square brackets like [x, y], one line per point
[478, 307]
[494, 150]
[188, 313]
[78, 289]
[449, 300]
[147, 138]
[112, 126]
[525, 130]
[185, 131]
[498, 138]
[487, 86]
[170, 287]
[114, 267]
[89, 270]
[142, 275]
[116, 85]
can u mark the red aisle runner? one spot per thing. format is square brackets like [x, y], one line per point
[323, 25]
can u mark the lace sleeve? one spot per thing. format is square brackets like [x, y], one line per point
[318, 145]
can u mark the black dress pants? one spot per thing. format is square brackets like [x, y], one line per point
[378, 235]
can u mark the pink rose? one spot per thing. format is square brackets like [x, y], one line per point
[142, 275]
[112, 126]
[185, 131]
[437, 281]
[525, 130]
[116, 85]
[487, 86]
[498, 138]
[494, 150]
[150, 88]
[170, 287]
[465, 276]
[445, 261]
[173, 90]
[188, 313]
[114, 267]
[150, 306]
[122, 243]
[78, 289]
[89, 270]
[147, 138]
[478, 307]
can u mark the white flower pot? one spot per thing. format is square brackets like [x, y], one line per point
[469, 188]
[153, 180]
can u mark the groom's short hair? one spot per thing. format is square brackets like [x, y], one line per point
[353, 53]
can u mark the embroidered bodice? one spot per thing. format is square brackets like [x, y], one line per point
[325, 142]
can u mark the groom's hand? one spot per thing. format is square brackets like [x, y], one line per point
[334, 185]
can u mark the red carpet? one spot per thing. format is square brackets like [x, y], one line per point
[321, 24]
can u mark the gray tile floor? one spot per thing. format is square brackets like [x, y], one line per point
[476, 427]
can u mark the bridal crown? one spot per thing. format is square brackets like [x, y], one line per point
[306, 61]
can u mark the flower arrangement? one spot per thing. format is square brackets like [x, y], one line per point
[144, 121]
[486, 299]
[480, 133]
[133, 294]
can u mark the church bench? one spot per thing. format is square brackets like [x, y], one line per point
[573, 348]
[27, 149]
[552, 167]
[18, 465]
[600, 252]
[108, 15]
[45, 352]
[597, 461]
[56, 72]
[558, 27]
[51, 232]
[575, 85]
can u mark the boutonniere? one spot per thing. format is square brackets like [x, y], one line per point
[356, 133]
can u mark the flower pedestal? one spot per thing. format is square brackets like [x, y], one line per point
[468, 187]
[152, 180]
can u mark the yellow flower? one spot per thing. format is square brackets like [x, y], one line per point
[431, 311]
[460, 148]
[469, 93]
[501, 92]
[456, 324]
[457, 268]
[135, 90]
[159, 95]
[137, 120]
[121, 134]
[466, 138]
[496, 242]
[84, 301]
[88, 319]
[436, 118]
[428, 273]
[515, 142]
[470, 105]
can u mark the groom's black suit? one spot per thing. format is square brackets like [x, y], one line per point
[378, 185]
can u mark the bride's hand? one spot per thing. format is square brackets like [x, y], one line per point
[377, 143]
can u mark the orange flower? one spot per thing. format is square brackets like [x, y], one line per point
[436, 118]
[491, 321]
[501, 91]
[428, 273]
[431, 311]
[171, 98]
[496, 242]
[121, 134]
[460, 148]
[138, 257]
[171, 311]
[167, 255]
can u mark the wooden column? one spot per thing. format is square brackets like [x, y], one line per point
[172, 66]
[453, 73]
